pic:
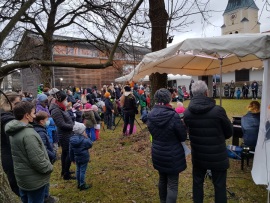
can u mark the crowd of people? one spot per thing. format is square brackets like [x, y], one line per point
[70, 118]
[32, 129]
[231, 91]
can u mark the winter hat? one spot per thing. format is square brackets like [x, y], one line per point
[141, 92]
[60, 96]
[76, 105]
[87, 106]
[135, 87]
[127, 88]
[78, 128]
[53, 91]
[94, 107]
[163, 96]
[107, 94]
[42, 97]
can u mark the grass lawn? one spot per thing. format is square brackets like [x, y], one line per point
[121, 171]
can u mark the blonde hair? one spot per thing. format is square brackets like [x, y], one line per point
[5, 105]
[179, 104]
[254, 107]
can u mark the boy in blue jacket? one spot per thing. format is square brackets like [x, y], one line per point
[78, 150]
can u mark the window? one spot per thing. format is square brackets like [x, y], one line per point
[241, 75]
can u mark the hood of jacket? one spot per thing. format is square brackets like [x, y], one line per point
[161, 115]
[39, 128]
[76, 140]
[201, 104]
[15, 126]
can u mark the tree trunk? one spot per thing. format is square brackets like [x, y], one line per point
[159, 18]
[157, 81]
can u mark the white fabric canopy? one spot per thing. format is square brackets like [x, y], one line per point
[146, 78]
[236, 51]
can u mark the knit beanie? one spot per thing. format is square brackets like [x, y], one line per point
[107, 94]
[60, 96]
[76, 105]
[42, 97]
[53, 91]
[95, 108]
[87, 106]
[162, 96]
[78, 128]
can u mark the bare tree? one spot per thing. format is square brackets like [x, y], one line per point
[164, 21]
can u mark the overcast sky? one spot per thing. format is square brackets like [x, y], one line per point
[197, 30]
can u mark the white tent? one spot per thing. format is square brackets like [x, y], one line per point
[146, 78]
[226, 53]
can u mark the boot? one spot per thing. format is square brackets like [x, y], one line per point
[85, 186]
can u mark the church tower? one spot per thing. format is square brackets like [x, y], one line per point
[240, 16]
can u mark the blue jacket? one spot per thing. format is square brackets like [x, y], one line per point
[78, 149]
[168, 132]
[52, 131]
[45, 139]
[250, 126]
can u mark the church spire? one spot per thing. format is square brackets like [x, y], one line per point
[240, 4]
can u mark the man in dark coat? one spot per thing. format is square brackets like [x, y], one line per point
[208, 127]
[168, 155]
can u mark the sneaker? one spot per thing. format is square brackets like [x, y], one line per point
[256, 98]
[51, 199]
[85, 186]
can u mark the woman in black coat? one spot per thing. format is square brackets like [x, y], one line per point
[6, 156]
[168, 155]
[64, 126]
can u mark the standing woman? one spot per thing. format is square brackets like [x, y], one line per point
[6, 156]
[128, 103]
[64, 126]
[168, 155]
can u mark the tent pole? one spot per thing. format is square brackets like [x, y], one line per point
[220, 79]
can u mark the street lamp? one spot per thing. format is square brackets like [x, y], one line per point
[61, 79]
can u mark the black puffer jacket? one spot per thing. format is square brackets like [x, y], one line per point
[6, 156]
[208, 127]
[168, 132]
[63, 123]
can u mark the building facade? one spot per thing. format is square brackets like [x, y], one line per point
[125, 59]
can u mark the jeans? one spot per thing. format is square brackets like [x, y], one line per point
[168, 187]
[91, 133]
[128, 119]
[80, 173]
[35, 196]
[47, 190]
[219, 181]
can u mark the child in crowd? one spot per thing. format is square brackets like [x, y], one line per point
[77, 111]
[52, 133]
[89, 121]
[238, 93]
[180, 109]
[78, 152]
[70, 111]
[98, 119]
[109, 110]
[41, 122]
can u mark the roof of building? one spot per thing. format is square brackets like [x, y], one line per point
[240, 4]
